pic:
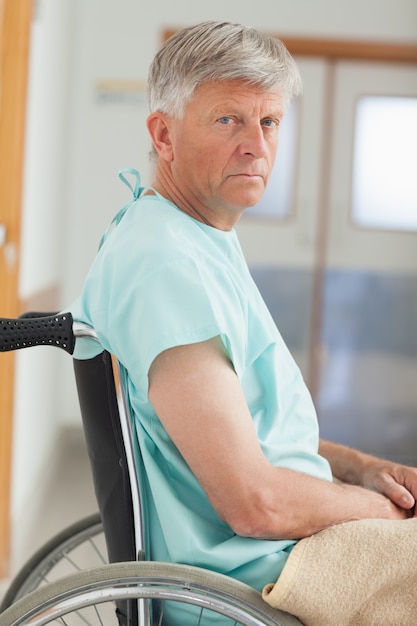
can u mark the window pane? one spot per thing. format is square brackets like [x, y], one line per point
[277, 199]
[384, 186]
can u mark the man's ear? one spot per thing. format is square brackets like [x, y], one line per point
[158, 128]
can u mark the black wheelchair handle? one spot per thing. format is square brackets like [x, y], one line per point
[31, 330]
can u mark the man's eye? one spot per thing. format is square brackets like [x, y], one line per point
[225, 119]
[270, 123]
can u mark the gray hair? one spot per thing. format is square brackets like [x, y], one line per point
[218, 51]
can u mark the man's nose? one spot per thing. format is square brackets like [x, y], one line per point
[253, 140]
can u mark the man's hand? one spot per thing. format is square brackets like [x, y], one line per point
[396, 482]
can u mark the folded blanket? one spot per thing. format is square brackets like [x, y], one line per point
[361, 573]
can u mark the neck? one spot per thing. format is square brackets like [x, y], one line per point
[165, 185]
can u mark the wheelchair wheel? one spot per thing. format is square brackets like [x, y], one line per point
[77, 547]
[201, 595]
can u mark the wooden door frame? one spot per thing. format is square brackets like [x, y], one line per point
[15, 20]
[342, 49]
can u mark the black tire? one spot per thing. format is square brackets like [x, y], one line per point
[42, 566]
[72, 595]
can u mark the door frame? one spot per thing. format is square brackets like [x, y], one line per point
[336, 49]
[15, 20]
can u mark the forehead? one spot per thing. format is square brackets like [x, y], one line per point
[235, 94]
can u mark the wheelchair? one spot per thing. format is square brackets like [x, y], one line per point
[115, 584]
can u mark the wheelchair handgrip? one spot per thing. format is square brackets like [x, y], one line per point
[26, 332]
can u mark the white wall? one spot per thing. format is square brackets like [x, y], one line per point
[36, 415]
[76, 145]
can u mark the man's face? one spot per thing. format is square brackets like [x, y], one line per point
[224, 147]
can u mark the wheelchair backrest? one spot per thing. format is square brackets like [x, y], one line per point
[105, 445]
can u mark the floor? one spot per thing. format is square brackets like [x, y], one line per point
[69, 494]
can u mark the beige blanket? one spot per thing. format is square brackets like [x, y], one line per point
[360, 573]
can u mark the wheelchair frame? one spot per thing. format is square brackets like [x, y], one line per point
[130, 580]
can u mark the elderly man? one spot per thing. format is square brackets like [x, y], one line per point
[236, 472]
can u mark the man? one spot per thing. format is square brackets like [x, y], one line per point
[227, 428]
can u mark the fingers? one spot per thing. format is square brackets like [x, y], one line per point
[397, 492]
[396, 482]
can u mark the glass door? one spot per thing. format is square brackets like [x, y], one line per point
[368, 371]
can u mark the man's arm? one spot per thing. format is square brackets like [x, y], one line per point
[397, 482]
[197, 395]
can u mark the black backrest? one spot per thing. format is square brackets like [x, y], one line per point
[100, 415]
